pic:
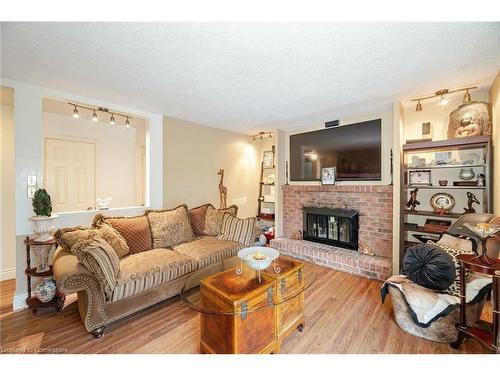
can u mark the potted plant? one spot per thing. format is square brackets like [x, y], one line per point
[43, 222]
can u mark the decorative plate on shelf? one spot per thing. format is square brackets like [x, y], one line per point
[442, 201]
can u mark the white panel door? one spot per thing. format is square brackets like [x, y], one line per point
[70, 174]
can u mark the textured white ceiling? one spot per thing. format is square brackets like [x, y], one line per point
[246, 77]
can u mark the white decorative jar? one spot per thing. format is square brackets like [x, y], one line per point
[43, 227]
[46, 290]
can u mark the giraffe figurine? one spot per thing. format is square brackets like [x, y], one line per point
[222, 190]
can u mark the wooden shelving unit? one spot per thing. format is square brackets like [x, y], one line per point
[433, 214]
[481, 145]
[33, 302]
[266, 219]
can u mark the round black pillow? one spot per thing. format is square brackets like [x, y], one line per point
[429, 266]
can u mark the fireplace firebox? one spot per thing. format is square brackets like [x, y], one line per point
[331, 226]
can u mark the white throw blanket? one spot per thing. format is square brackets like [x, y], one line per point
[428, 304]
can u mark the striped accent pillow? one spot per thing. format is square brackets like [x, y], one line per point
[237, 230]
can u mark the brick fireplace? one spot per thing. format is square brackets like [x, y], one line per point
[374, 204]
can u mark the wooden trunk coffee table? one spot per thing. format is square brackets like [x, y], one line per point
[241, 315]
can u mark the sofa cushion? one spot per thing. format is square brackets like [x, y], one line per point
[146, 270]
[238, 230]
[135, 230]
[169, 227]
[213, 219]
[68, 237]
[208, 250]
[197, 219]
[99, 257]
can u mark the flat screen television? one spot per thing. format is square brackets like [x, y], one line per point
[355, 150]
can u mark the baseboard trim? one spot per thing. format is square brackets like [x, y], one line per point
[19, 301]
[7, 274]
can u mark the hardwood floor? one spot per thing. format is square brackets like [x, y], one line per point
[343, 313]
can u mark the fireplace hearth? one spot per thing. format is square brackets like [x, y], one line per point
[331, 226]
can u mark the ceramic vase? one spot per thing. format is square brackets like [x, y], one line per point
[43, 227]
[466, 174]
[46, 290]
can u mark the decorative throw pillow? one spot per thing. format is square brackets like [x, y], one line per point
[135, 230]
[465, 244]
[101, 259]
[454, 288]
[197, 219]
[237, 230]
[213, 219]
[429, 266]
[68, 237]
[169, 227]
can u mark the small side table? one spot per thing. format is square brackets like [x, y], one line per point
[488, 338]
[32, 301]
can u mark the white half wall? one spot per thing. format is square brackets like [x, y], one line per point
[28, 159]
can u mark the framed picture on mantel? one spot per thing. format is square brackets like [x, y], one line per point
[328, 175]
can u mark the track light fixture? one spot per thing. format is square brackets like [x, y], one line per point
[443, 101]
[419, 107]
[261, 136]
[95, 110]
[442, 98]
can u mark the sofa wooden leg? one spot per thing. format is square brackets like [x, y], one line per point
[98, 332]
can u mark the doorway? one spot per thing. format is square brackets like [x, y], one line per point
[70, 174]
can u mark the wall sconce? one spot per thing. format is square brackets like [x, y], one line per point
[443, 100]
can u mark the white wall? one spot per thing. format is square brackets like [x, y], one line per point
[495, 110]
[28, 155]
[194, 153]
[115, 153]
[7, 203]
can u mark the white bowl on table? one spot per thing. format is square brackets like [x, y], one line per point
[249, 255]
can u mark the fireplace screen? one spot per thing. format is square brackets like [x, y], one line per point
[332, 226]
